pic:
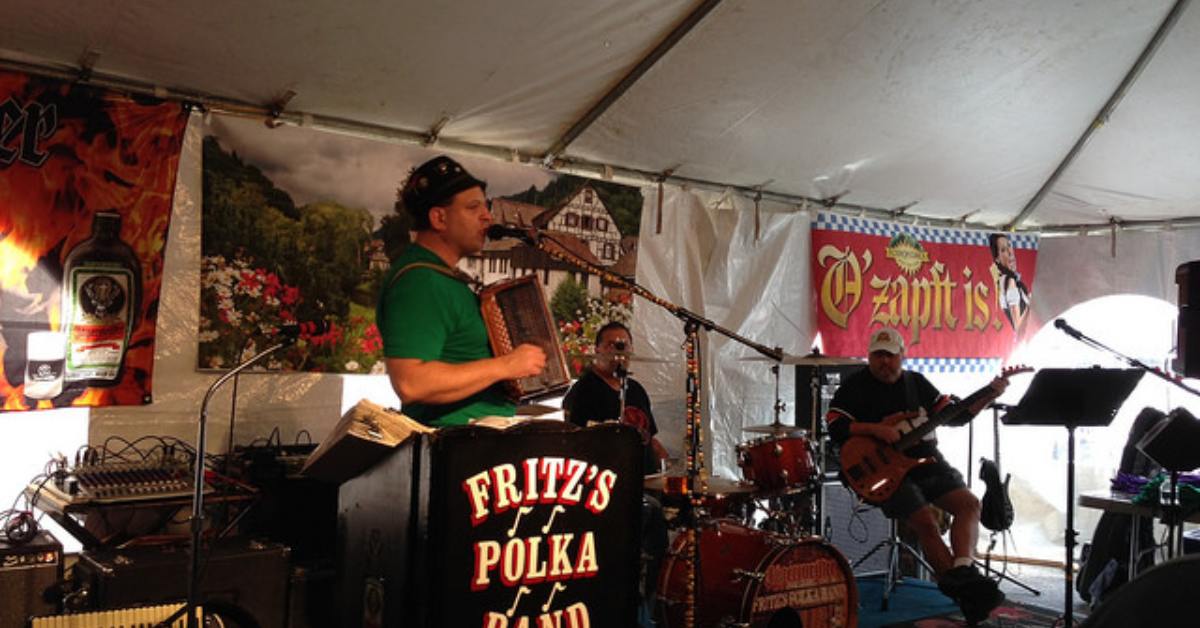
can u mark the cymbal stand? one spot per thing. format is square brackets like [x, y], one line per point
[821, 525]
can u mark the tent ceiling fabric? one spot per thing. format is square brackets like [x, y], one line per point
[961, 107]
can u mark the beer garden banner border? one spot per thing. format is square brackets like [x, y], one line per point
[960, 297]
[86, 179]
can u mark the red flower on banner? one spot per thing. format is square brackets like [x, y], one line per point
[290, 296]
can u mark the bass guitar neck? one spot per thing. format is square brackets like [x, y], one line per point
[874, 469]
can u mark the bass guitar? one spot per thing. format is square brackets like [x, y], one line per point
[996, 508]
[874, 469]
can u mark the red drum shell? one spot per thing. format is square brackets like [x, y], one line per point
[750, 576]
[775, 463]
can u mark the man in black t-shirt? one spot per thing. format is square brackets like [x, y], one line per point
[596, 397]
[885, 391]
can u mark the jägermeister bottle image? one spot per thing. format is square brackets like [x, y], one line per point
[102, 292]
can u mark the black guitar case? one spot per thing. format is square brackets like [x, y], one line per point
[1110, 540]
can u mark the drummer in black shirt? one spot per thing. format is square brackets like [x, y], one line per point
[596, 397]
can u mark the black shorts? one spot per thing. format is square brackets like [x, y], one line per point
[921, 486]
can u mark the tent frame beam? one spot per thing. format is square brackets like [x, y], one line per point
[1105, 112]
[669, 42]
[584, 168]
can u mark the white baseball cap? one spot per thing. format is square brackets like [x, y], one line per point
[886, 339]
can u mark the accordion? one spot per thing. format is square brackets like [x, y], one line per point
[515, 312]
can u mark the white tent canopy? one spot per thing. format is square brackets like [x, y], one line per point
[943, 110]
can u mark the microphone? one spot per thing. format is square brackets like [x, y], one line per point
[499, 232]
[291, 332]
[1067, 329]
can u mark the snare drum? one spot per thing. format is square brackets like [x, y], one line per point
[777, 462]
[752, 578]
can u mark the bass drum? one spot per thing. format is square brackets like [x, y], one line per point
[752, 578]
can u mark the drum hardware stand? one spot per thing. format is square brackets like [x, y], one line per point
[891, 575]
[692, 324]
[818, 436]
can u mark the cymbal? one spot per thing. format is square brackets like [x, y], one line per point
[809, 359]
[535, 409]
[776, 429]
[715, 486]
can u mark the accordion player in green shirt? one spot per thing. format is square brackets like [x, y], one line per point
[435, 343]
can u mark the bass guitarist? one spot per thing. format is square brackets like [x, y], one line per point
[881, 402]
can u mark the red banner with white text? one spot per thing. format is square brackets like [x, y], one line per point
[952, 293]
[86, 178]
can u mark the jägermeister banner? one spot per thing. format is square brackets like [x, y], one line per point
[952, 293]
[86, 178]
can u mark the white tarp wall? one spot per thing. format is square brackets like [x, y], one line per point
[707, 260]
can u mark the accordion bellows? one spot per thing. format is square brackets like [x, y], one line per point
[515, 313]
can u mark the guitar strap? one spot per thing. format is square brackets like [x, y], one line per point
[911, 402]
[452, 273]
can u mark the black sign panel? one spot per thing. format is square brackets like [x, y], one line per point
[537, 528]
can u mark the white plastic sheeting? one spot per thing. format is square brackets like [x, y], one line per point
[707, 260]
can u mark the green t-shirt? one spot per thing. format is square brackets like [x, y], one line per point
[427, 315]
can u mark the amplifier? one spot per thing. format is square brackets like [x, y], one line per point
[239, 571]
[26, 572]
[854, 528]
[295, 510]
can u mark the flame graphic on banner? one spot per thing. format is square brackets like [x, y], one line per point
[102, 151]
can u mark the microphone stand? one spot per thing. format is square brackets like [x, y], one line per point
[622, 374]
[1137, 364]
[197, 519]
[692, 324]
[1131, 361]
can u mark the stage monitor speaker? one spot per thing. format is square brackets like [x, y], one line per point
[1174, 442]
[26, 572]
[1164, 592]
[1187, 359]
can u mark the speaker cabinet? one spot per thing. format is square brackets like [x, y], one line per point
[1187, 360]
[854, 528]
[26, 572]
[238, 571]
[1162, 596]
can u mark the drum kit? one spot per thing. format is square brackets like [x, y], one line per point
[762, 561]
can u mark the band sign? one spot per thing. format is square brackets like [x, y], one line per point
[552, 534]
[951, 292]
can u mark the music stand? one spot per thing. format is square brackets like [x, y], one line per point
[1071, 398]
